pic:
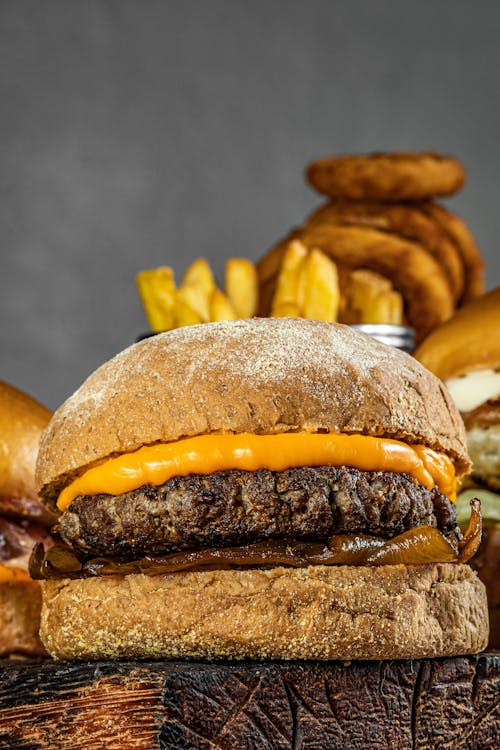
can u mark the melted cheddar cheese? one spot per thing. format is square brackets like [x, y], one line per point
[13, 574]
[205, 454]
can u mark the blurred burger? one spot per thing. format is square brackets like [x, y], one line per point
[465, 353]
[23, 520]
[270, 488]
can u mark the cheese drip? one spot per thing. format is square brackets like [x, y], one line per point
[205, 454]
[13, 574]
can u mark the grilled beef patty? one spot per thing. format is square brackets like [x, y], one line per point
[237, 507]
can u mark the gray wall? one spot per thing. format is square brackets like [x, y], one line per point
[135, 133]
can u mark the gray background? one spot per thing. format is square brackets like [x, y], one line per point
[135, 133]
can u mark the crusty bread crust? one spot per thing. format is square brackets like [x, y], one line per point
[22, 420]
[319, 612]
[259, 376]
[20, 605]
[468, 341]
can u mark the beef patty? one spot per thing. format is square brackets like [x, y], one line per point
[237, 507]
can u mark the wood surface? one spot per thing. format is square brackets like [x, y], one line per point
[427, 704]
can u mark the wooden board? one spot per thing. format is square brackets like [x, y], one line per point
[426, 704]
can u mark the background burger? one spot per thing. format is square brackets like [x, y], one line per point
[23, 520]
[465, 353]
[258, 488]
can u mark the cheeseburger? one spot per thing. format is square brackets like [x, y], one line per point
[269, 488]
[465, 353]
[23, 520]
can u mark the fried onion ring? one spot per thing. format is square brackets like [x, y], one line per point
[387, 176]
[407, 221]
[471, 256]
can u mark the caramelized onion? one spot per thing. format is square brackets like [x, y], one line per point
[61, 561]
[58, 561]
[35, 566]
[353, 549]
[419, 546]
[472, 537]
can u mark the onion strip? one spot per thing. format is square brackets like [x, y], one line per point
[472, 537]
[419, 546]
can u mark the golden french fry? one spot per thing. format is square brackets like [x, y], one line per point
[384, 307]
[395, 301]
[197, 287]
[286, 310]
[195, 298]
[184, 315]
[318, 287]
[220, 307]
[199, 273]
[370, 298]
[287, 284]
[241, 286]
[374, 310]
[365, 282]
[156, 289]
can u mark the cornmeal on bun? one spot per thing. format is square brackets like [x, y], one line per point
[23, 520]
[270, 488]
[465, 353]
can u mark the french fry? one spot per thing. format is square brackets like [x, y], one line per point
[375, 309]
[365, 287]
[373, 299]
[198, 286]
[395, 308]
[156, 289]
[287, 285]
[184, 315]
[286, 310]
[199, 273]
[195, 298]
[241, 286]
[220, 307]
[318, 287]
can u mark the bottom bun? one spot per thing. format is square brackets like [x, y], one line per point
[319, 612]
[20, 605]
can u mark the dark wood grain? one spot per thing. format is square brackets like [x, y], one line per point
[420, 705]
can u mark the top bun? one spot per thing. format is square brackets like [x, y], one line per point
[263, 376]
[22, 420]
[468, 341]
